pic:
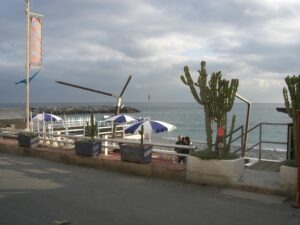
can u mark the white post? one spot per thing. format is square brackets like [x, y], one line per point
[31, 122]
[27, 66]
[105, 146]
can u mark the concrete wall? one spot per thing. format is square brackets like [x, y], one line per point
[214, 172]
[288, 179]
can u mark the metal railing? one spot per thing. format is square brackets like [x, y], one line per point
[239, 134]
[104, 132]
[262, 141]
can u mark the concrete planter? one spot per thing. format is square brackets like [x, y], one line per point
[28, 140]
[136, 153]
[288, 179]
[214, 171]
[88, 148]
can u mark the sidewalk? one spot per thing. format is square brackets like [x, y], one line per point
[36, 191]
[160, 166]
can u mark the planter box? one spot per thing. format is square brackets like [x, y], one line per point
[136, 153]
[88, 148]
[28, 141]
[288, 179]
[214, 171]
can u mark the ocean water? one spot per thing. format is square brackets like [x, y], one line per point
[189, 120]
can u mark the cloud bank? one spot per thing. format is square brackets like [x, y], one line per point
[99, 43]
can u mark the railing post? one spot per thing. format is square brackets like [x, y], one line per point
[83, 130]
[67, 134]
[260, 140]
[242, 142]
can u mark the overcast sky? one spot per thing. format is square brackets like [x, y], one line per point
[98, 43]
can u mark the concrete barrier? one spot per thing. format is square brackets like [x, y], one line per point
[288, 179]
[214, 171]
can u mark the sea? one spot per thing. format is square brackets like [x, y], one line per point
[189, 120]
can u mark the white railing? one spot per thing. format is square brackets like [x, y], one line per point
[56, 139]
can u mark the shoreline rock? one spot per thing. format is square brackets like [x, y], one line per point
[69, 110]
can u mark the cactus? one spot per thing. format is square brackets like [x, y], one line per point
[91, 129]
[222, 95]
[141, 132]
[202, 97]
[217, 97]
[291, 96]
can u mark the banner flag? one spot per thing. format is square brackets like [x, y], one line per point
[35, 58]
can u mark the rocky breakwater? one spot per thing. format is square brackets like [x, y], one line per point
[69, 110]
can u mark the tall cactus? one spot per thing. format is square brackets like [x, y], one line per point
[291, 96]
[222, 95]
[202, 97]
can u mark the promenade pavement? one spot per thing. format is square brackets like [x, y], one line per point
[34, 191]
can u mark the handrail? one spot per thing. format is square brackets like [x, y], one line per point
[241, 136]
[261, 140]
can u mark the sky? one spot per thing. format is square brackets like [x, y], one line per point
[99, 43]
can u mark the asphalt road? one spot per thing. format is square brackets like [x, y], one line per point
[39, 192]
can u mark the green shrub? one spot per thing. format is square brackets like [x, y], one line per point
[214, 155]
[291, 163]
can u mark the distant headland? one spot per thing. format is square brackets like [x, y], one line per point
[69, 110]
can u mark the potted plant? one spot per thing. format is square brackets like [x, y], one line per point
[137, 152]
[217, 96]
[89, 147]
[28, 139]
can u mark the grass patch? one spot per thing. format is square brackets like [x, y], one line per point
[290, 163]
[214, 155]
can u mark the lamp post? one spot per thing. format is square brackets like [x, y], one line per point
[247, 123]
[27, 66]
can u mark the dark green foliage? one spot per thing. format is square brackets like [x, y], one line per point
[291, 163]
[222, 96]
[291, 96]
[29, 134]
[217, 97]
[91, 128]
[214, 155]
[202, 97]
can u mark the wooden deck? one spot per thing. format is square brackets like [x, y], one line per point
[266, 166]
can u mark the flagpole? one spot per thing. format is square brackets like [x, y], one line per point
[27, 66]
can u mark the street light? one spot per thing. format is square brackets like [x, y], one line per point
[247, 123]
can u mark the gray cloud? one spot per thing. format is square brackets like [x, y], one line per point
[99, 43]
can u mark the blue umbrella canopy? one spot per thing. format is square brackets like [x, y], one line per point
[121, 118]
[46, 117]
[150, 126]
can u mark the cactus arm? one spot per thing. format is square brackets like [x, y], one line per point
[188, 80]
[201, 98]
[291, 96]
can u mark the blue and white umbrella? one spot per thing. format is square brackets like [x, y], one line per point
[46, 117]
[150, 126]
[121, 118]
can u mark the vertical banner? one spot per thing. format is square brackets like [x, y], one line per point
[35, 57]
